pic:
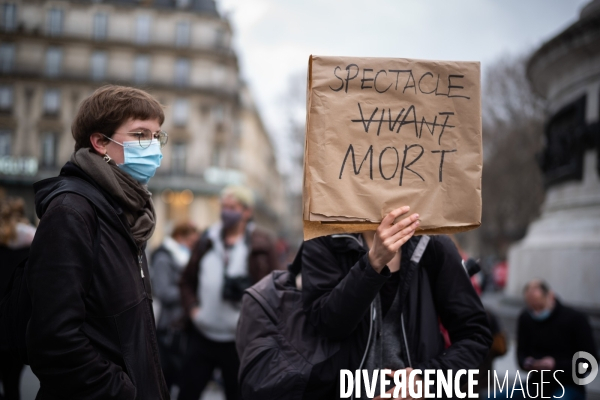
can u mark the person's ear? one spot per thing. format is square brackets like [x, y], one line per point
[99, 143]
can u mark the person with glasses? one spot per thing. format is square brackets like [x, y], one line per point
[91, 333]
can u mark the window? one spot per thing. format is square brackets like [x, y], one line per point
[234, 157]
[182, 71]
[53, 61]
[236, 129]
[100, 25]
[6, 98]
[48, 156]
[9, 17]
[217, 155]
[141, 69]
[182, 34]
[5, 142]
[54, 22]
[220, 38]
[142, 29]
[178, 158]
[180, 112]
[218, 113]
[7, 57]
[51, 101]
[99, 61]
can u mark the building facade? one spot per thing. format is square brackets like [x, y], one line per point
[53, 54]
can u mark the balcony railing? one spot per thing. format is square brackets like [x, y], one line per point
[37, 71]
[214, 48]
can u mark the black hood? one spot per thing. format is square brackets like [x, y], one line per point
[73, 179]
[48, 189]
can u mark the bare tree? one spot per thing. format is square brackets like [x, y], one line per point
[512, 187]
[293, 103]
[295, 107]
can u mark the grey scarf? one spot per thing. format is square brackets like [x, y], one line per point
[129, 193]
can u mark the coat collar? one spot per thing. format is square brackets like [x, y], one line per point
[349, 242]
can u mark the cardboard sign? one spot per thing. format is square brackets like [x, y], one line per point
[382, 133]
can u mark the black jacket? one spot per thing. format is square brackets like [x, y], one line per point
[565, 332]
[10, 260]
[92, 333]
[339, 286]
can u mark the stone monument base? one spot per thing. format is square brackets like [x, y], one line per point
[563, 245]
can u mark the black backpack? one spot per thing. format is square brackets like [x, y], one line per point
[15, 304]
[277, 345]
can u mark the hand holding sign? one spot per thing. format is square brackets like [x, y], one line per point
[390, 236]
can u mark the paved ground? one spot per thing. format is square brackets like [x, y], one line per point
[30, 386]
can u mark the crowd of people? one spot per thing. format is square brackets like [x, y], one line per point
[199, 281]
[372, 300]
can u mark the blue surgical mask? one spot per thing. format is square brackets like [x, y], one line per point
[541, 315]
[140, 163]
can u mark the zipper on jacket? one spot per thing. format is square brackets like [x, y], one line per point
[140, 263]
[368, 341]
[405, 340]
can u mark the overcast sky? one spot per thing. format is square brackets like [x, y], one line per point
[274, 38]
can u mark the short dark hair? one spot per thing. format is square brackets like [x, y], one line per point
[108, 108]
[542, 285]
[184, 229]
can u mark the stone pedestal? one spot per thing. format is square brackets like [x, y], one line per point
[563, 245]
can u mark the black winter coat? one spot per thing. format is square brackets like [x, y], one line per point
[339, 286]
[92, 333]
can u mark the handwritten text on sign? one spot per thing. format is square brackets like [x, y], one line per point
[382, 133]
[395, 120]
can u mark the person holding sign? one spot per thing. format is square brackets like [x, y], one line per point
[380, 294]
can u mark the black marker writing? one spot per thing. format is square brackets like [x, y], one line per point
[407, 167]
[336, 75]
[348, 75]
[381, 166]
[357, 171]
[442, 159]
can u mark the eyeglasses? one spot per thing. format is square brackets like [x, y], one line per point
[145, 137]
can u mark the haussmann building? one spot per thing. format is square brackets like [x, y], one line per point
[53, 54]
